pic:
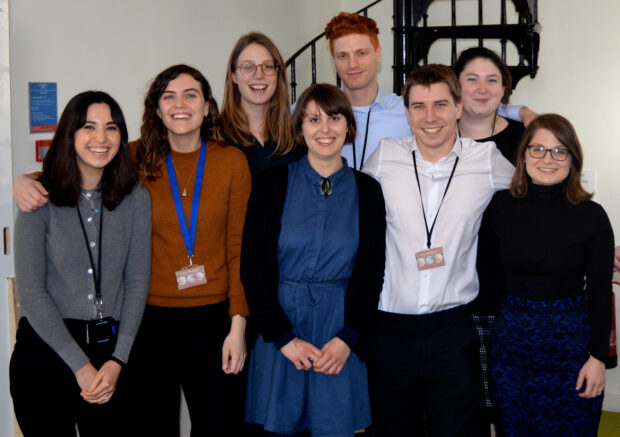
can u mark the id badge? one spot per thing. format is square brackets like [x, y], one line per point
[430, 259]
[100, 330]
[191, 276]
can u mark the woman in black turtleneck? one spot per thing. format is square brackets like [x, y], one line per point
[551, 249]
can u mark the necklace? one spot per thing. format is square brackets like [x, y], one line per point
[184, 192]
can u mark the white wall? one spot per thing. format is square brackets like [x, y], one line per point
[119, 45]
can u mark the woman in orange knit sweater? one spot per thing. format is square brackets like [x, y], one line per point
[192, 334]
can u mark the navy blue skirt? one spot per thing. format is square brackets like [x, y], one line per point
[537, 350]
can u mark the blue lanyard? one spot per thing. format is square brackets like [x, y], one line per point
[188, 235]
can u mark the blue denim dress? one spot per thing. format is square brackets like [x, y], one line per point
[316, 252]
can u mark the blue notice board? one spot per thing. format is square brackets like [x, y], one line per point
[43, 106]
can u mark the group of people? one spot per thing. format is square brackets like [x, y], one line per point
[385, 260]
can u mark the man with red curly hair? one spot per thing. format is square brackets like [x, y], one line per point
[356, 52]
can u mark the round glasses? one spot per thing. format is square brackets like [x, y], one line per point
[248, 69]
[557, 153]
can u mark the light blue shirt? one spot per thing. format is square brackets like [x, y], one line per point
[387, 119]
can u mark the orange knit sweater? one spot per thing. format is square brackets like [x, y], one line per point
[225, 191]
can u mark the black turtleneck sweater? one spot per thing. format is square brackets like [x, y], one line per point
[542, 247]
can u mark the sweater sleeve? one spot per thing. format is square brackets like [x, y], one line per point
[259, 264]
[488, 262]
[366, 281]
[36, 304]
[599, 271]
[240, 187]
[137, 272]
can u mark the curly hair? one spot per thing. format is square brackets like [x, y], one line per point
[233, 125]
[347, 23]
[154, 145]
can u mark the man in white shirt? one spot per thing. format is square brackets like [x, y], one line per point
[436, 186]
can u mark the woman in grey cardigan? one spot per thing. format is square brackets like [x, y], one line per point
[82, 266]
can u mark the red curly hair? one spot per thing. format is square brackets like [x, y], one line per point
[347, 23]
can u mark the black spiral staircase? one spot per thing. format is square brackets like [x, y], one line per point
[413, 38]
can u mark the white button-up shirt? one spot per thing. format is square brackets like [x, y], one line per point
[481, 170]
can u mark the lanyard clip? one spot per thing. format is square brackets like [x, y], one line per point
[99, 307]
[190, 257]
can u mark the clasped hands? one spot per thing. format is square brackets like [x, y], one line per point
[98, 386]
[330, 359]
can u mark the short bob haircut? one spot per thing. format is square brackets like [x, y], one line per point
[233, 124]
[427, 75]
[331, 100]
[61, 174]
[346, 23]
[563, 130]
[472, 53]
[154, 145]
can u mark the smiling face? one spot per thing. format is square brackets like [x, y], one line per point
[546, 170]
[96, 143]
[324, 134]
[356, 61]
[482, 88]
[182, 106]
[432, 115]
[257, 88]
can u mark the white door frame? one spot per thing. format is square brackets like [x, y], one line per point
[6, 220]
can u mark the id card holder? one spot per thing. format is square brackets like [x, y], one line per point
[191, 276]
[430, 259]
[100, 330]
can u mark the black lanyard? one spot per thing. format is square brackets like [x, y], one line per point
[417, 178]
[97, 272]
[365, 140]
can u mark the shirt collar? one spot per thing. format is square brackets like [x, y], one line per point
[457, 149]
[379, 99]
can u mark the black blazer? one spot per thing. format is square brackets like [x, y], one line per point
[259, 266]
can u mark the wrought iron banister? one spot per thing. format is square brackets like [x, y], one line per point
[412, 42]
[291, 62]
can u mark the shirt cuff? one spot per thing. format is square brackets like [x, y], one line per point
[507, 110]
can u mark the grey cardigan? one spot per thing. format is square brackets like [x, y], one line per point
[52, 271]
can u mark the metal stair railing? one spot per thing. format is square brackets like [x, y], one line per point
[412, 42]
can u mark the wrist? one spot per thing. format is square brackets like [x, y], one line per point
[118, 361]
[238, 323]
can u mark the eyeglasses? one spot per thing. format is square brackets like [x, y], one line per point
[249, 69]
[557, 153]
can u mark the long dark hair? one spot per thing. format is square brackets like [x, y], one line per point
[154, 145]
[565, 133]
[61, 174]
